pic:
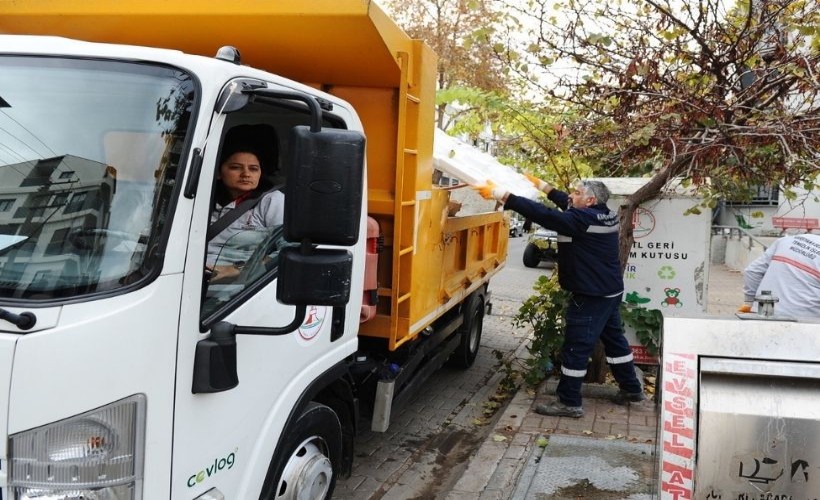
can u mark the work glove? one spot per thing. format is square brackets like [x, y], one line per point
[538, 183]
[745, 308]
[491, 191]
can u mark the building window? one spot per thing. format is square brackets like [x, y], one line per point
[29, 212]
[58, 239]
[41, 279]
[6, 204]
[67, 174]
[59, 199]
[76, 203]
[766, 196]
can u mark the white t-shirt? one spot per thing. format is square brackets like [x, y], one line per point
[790, 269]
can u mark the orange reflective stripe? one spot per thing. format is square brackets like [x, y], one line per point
[799, 265]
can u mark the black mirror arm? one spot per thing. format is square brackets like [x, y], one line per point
[23, 321]
[301, 310]
[313, 105]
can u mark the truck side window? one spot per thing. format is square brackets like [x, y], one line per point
[246, 218]
[246, 256]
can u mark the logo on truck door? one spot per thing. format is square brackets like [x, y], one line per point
[219, 464]
[312, 325]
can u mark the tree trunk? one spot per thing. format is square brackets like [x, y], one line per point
[596, 371]
[648, 191]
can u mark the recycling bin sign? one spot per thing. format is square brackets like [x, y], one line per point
[668, 267]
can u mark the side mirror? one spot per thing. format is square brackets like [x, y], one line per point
[323, 195]
[319, 277]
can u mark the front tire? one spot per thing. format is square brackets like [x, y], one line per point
[531, 257]
[310, 457]
[464, 355]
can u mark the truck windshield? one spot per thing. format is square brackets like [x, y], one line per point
[89, 157]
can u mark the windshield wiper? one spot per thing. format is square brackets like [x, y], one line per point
[23, 321]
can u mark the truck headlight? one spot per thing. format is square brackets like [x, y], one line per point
[97, 455]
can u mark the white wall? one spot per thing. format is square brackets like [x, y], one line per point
[806, 205]
[740, 251]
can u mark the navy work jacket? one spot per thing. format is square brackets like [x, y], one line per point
[588, 261]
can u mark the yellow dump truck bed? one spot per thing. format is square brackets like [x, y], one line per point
[349, 48]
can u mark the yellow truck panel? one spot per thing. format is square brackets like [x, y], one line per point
[349, 48]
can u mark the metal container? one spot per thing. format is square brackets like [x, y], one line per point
[740, 415]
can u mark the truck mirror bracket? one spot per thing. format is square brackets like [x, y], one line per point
[215, 356]
[298, 319]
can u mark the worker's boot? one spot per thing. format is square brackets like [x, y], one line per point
[559, 409]
[624, 398]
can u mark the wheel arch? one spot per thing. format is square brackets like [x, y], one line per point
[334, 389]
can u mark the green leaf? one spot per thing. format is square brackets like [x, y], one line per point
[807, 30]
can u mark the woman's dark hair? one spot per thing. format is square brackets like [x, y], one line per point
[240, 147]
[261, 141]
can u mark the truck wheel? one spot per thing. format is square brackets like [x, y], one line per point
[311, 456]
[464, 355]
[531, 258]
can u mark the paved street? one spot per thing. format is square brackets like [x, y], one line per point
[430, 438]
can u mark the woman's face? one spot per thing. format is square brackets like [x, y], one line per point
[240, 173]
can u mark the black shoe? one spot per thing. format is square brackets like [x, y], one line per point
[624, 398]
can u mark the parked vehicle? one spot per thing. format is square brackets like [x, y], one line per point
[125, 372]
[516, 226]
[542, 246]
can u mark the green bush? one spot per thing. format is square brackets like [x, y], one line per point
[544, 312]
[648, 325]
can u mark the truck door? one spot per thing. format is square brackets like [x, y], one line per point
[226, 439]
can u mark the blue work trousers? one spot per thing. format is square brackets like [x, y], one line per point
[588, 319]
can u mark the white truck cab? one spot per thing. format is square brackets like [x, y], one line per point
[124, 371]
[148, 353]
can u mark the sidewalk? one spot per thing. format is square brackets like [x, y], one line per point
[609, 453]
